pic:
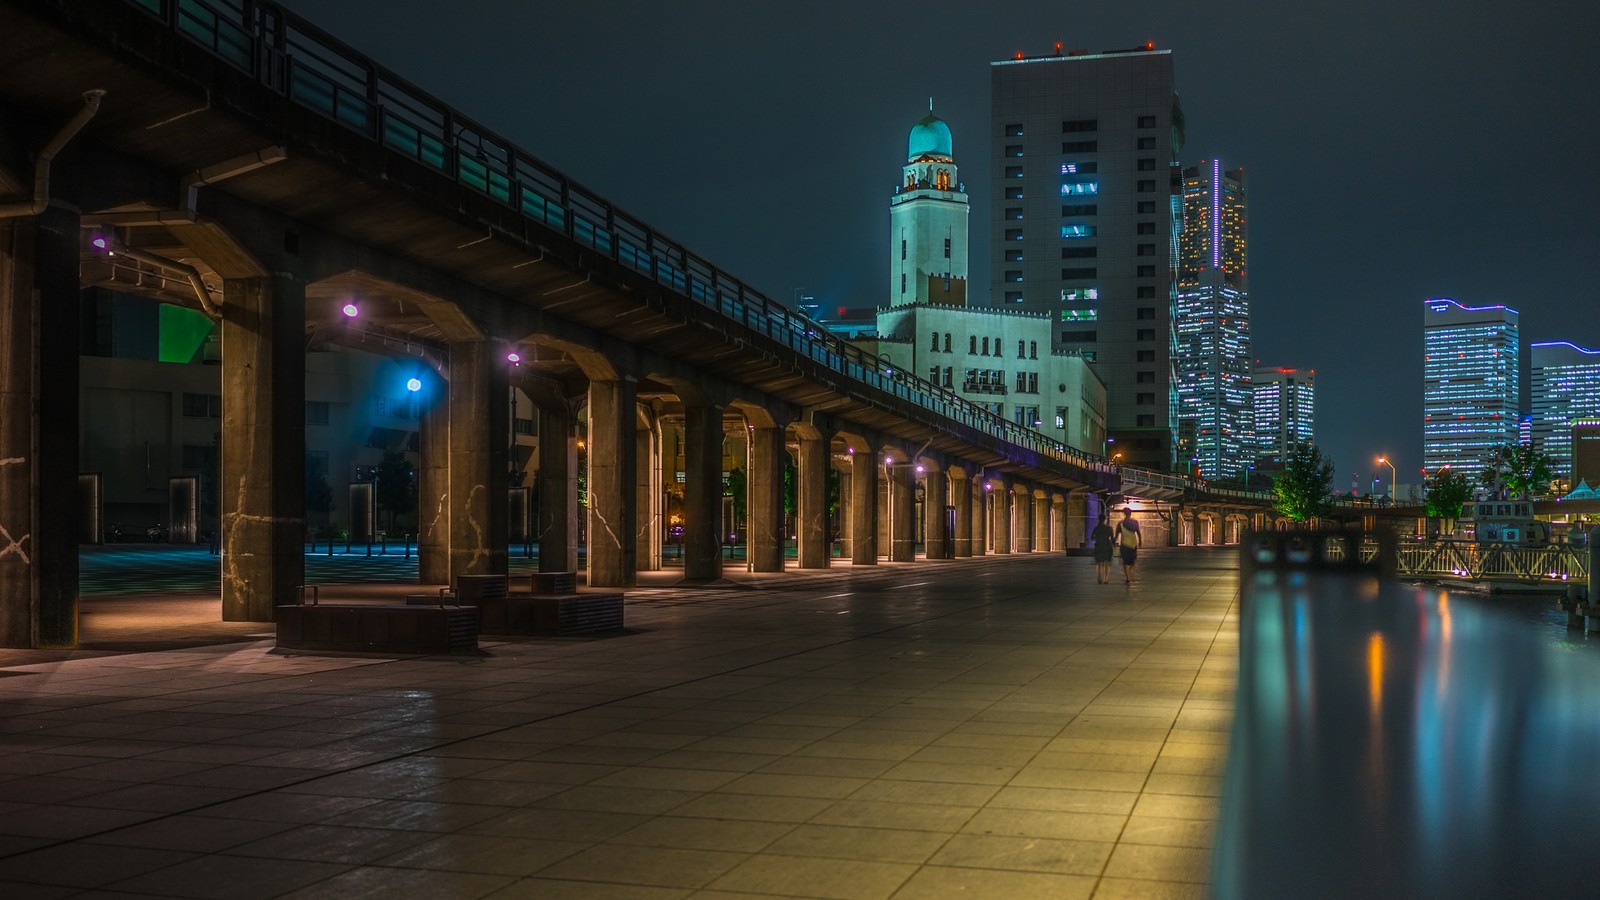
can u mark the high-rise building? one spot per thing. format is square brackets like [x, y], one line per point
[1471, 375]
[1085, 222]
[1213, 320]
[1284, 408]
[1565, 390]
[928, 221]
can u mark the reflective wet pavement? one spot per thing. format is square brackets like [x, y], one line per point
[991, 728]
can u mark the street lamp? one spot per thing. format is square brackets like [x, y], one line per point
[1392, 477]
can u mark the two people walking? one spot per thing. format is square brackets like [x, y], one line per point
[1124, 538]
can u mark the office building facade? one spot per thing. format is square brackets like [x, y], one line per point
[1085, 219]
[1565, 390]
[1471, 381]
[1213, 364]
[1283, 408]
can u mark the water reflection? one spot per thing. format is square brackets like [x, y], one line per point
[1397, 741]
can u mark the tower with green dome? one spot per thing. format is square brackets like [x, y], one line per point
[928, 222]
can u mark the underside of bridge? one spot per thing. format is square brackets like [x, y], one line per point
[194, 183]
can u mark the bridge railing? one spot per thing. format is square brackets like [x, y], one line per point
[319, 72]
[1550, 564]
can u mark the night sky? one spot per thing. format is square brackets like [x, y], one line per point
[1446, 149]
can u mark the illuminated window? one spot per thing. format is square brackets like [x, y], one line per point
[1077, 231]
[1080, 187]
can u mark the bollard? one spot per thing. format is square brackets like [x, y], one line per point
[330, 545]
[408, 545]
[369, 548]
[383, 543]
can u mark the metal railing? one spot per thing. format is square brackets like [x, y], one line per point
[318, 72]
[1550, 564]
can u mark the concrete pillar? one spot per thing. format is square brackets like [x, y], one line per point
[613, 527]
[433, 483]
[1058, 523]
[1041, 523]
[1079, 514]
[261, 486]
[811, 473]
[651, 532]
[1022, 519]
[764, 503]
[864, 508]
[702, 492]
[1000, 515]
[558, 489]
[39, 331]
[961, 499]
[1174, 530]
[937, 543]
[480, 434]
[902, 512]
[1219, 531]
[980, 515]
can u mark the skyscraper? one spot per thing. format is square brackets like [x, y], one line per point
[1213, 320]
[1284, 409]
[1565, 390]
[1470, 380]
[1085, 222]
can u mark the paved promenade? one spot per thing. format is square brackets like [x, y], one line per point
[1000, 727]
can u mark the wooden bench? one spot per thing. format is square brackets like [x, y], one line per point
[375, 627]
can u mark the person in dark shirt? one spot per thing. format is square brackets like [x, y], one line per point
[1129, 539]
[1103, 540]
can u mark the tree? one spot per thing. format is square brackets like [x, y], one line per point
[1516, 470]
[1445, 493]
[736, 488]
[395, 484]
[1301, 490]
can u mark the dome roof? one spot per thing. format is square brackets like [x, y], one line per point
[930, 136]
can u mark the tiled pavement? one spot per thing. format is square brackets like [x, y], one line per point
[1001, 727]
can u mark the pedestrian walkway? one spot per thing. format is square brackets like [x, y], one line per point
[997, 727]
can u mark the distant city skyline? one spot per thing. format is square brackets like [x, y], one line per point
[1394, 155]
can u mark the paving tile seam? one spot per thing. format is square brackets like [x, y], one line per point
[1200, 597]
